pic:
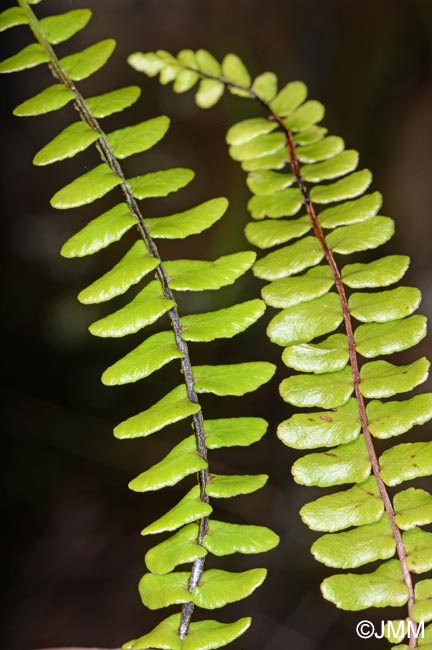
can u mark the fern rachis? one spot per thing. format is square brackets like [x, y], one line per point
[289, 135]
[353, 354]
[194, 534]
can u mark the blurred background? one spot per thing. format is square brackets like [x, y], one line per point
[72, 549]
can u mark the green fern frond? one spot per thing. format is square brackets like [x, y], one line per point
[195, 535]
[292, 164]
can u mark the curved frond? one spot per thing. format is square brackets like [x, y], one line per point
[334, 319]
[154, 302]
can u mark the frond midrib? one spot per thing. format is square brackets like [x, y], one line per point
[353, 354]
[108, 156]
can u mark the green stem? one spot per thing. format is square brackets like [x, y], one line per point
[108, 156]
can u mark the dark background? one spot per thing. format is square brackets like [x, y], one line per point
[73, 553]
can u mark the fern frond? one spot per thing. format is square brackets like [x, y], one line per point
[294, 164]
[156, 301]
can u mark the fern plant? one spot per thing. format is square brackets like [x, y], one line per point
[337, 365]
[193, 532]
